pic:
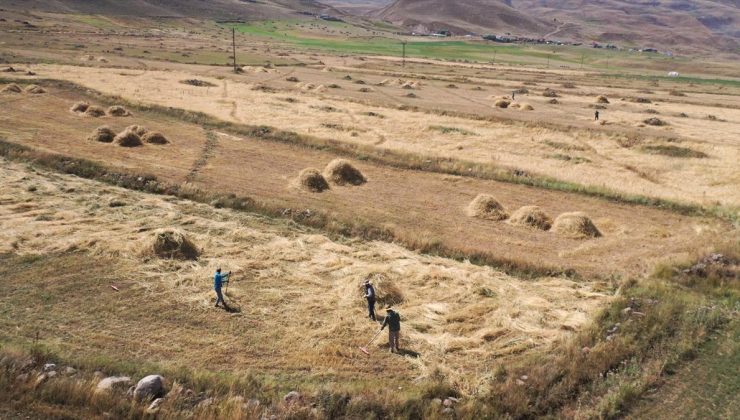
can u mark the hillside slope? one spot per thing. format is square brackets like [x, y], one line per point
[673, 24]
[268, 9]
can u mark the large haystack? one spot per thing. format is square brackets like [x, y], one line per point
[502, 103]
[601, 99]
[575, 225]
[172, 244]
[102, 134]
[11, 88]
[94, 111]
[485, 206]
[310, 179]
[118, 111]
[140, 130]
[154, 137]
[128, 138]
[341, 172]
[79, 107]
[531, 216]
[35, 89]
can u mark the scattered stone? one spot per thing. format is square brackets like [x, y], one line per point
[50, 366]
[149, 387]
[626, 311]
[293, 397]
[69, 370]
[112, 382]
[154, 406]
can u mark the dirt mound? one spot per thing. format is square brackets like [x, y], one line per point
[94, 111]
[79, 107]
[310, 179]
[102, 134]
[341, 172]
[485, 206]
[35, 89]
[118, 111]
[172, 244]
[575, 225]
[11, 88]
[502, 103]
[154, 137]
[531, 216]
[140, 130]
[128, 138]
[601, 99]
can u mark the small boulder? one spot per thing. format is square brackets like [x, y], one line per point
[50, 366]
[149, 387]
[293, 397]
[69, 370]
[112, 382]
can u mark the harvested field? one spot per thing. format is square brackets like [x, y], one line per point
[420, 208]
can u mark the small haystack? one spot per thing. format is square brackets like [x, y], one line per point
[94, 111]
[118, 111]
[292, 79]
[485, 206]
[531, 216]
[102, 134]
[502, 103]
[549, 93]
[526, 107]
[310, 179]
[655, 122]
[154, 137]
[601, 99]
[140, 130]
[172, 244]
[11, 88]
[553, 101]
[80, 107]
[341, 172]
[128, 138]
[35, 89]
[575, 225]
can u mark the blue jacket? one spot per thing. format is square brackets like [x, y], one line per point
[218, 279]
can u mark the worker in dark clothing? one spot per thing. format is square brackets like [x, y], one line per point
[393, 321]
[218, 280]
[513, 95]
[596, 116]
[370, 296]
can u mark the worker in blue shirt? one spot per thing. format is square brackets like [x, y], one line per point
[218, 280]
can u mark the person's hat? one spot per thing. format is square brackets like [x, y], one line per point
[218, 269]
[389, 309]
[367, 281]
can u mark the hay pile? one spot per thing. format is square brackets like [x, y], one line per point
[526, 107]
[118, 111]
[154, 137]
[386, 291]
[341, 172]
[102, 134]
[553, 101]
[365, 90]
[485, 206]
[35, 89]
[172, 244]
[11, 88]
[140, 130]
[502, 103]
[94, 111]
[549, 93]
[128, 138]
[531, 216]
[575, 225]
[601, 99]
[655, 121]
[310, 179]
[80, 107]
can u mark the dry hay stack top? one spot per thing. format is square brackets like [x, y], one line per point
[128, 138]
[575, 225]
[601, 99]
[342, 172]
[79, 107]
[140, 130]
[35, 89]
[94, 111]
[118, 111]
[531, 216]
[154, 137]
[387, 293]
[485, 206]
[102, 134]
[171, 244]
[310, 179]
[11, 88]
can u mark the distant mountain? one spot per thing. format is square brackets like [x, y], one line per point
[259, 9]
[663, 24]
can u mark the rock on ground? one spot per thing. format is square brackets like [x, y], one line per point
[149, 387]
[112, 382]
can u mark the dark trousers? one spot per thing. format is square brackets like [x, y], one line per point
[371, 308]
[220, 297]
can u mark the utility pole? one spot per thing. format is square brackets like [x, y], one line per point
[403, 54]
[233, 44]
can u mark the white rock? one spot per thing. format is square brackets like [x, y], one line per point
[112, 382]
[50, 366]
[149, 387]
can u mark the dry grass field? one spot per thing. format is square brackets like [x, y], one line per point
[544, 264]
